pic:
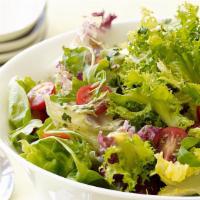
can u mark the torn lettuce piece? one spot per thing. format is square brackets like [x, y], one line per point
[81, 120]
[188, 187]
[189, 152]
[67, 158]
[52, 156]
[47, 125]
[19, 113]
[74, 59]
[81, 60]
[26, 132]
[27, 83]
[192, 90]
[169, 108]
[173, 173]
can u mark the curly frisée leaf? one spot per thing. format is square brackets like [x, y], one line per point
[194, 132]
[174, 42]
[133, 156]
[138, 114]
[146, 88]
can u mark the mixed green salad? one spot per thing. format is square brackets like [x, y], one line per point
[125, 118]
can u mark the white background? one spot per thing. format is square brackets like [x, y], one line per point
[63, 15]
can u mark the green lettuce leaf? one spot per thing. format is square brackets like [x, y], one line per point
[67, 158]
[169, 108]
[47, 125]
[79, 119]
[192, 90]
[19, 112]
[173, 173]
[26, 132]
[74, 59]
[48, 154]
[189, 152]
[27, 83]
[188, 187]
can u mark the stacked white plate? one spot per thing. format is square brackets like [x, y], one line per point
[22, 24]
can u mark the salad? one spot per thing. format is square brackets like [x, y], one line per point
[125, 118]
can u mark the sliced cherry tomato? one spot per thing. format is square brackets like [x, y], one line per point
[168, 141]
[60, 135]
[36, 94]
[106, 88]
[39, 114]
[84, 95]
[101, 108]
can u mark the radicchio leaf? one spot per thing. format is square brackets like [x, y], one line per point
[149, 132]
[107, 21]
[91, 32]
[109, 140]
[80, 76]
[127, 128]
[151, 186]
[63, 79]
[105, 141]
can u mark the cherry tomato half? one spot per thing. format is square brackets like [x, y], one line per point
[36, 94]
[39, 114]
[101, 108]
[60, 135]
[168, 141]
[84, 95]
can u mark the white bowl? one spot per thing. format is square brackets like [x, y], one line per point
[39, 62]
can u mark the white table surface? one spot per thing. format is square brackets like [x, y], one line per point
[63, 15]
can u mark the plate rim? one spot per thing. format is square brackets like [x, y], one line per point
[26, 39]
[4, 57]
[22, 31]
